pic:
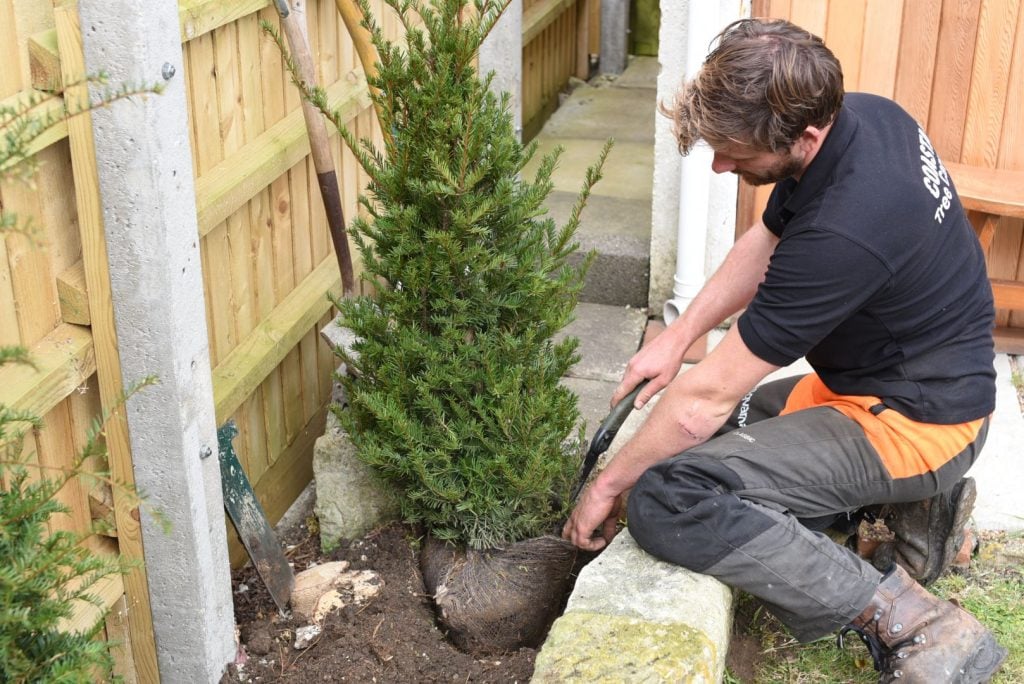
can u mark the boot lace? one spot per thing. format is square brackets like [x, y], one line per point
[881, 655]
[874, 644]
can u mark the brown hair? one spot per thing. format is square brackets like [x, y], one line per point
[765, 82]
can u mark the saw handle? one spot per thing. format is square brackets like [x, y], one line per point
[604, 436]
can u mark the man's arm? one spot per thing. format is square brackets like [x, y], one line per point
[694, 406]
[727, 291]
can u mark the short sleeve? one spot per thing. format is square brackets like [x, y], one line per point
[815, 281]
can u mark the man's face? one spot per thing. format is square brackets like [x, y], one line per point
[757, 167]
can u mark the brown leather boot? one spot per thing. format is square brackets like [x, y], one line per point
[915, 637]
[929, 533]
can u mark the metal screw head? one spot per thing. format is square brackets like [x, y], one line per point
[167, 71]
[205, 452]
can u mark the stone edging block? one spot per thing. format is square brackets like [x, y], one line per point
[633, 618]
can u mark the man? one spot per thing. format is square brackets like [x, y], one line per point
[865, 264]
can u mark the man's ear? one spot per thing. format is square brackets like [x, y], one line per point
[811, 139]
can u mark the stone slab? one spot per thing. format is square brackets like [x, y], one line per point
[593, 397]
[350, 499]
[632, 618]
[619, 232]
[625, 114]
[641, 72]
[624, 225]
[998, 471]
[609, 336]
[627, 171]
[617, 279]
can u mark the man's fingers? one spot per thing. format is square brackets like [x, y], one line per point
[610, 528]
[628, 384]
[646, 394]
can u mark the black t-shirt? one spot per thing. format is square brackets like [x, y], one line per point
[878, 278]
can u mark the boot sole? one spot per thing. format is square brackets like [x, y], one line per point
[987, 659]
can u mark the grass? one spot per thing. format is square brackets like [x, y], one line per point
[993, 590]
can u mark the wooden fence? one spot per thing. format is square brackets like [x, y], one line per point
[559, 37]
[266, 252]
[267, 264]
[956, 65]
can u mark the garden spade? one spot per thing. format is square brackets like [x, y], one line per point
[251, 523]
[604, 435]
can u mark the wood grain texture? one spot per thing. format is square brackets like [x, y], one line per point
[989, 82]
[958, 33]
[880, 52]
[915, 71]
[844, 35]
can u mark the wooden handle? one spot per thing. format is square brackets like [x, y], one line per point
[293, 23]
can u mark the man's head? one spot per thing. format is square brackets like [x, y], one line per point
[764, 84]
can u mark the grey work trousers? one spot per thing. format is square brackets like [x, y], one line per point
[743, 507]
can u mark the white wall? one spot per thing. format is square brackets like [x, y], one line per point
[721, 217]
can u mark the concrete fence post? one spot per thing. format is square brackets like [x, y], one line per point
[502, 53]
[144, 167]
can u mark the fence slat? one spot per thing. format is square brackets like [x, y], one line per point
[882, 28]
[958, 32]
[542, 15]
[844, 35]
[73, 295]
[63, 360]
[85, 614]
[262, 350]
[917, 52]
[226, 187]
[199, 17]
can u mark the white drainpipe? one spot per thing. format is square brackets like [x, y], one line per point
[703, 23]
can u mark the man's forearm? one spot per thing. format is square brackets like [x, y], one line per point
[691, 410]
[669, 430]
[730, 288]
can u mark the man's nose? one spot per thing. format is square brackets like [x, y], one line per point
[722, 164]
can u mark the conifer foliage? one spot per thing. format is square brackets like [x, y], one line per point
[453, 390]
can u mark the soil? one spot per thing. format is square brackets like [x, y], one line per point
[391, 638]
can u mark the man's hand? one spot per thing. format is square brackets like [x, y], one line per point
[660, 360]
[594, 511]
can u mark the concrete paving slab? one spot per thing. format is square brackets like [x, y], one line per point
[627, 171]
[625, 114]
[619, 231]
[641, 72]
[617, 278]
[998, 471]
[607, 217]
[593, 396]
[609, 336]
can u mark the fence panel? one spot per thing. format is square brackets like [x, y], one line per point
[955, 65]
[267, 259]
[558, 39]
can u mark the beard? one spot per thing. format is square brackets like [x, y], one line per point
[783, 168]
